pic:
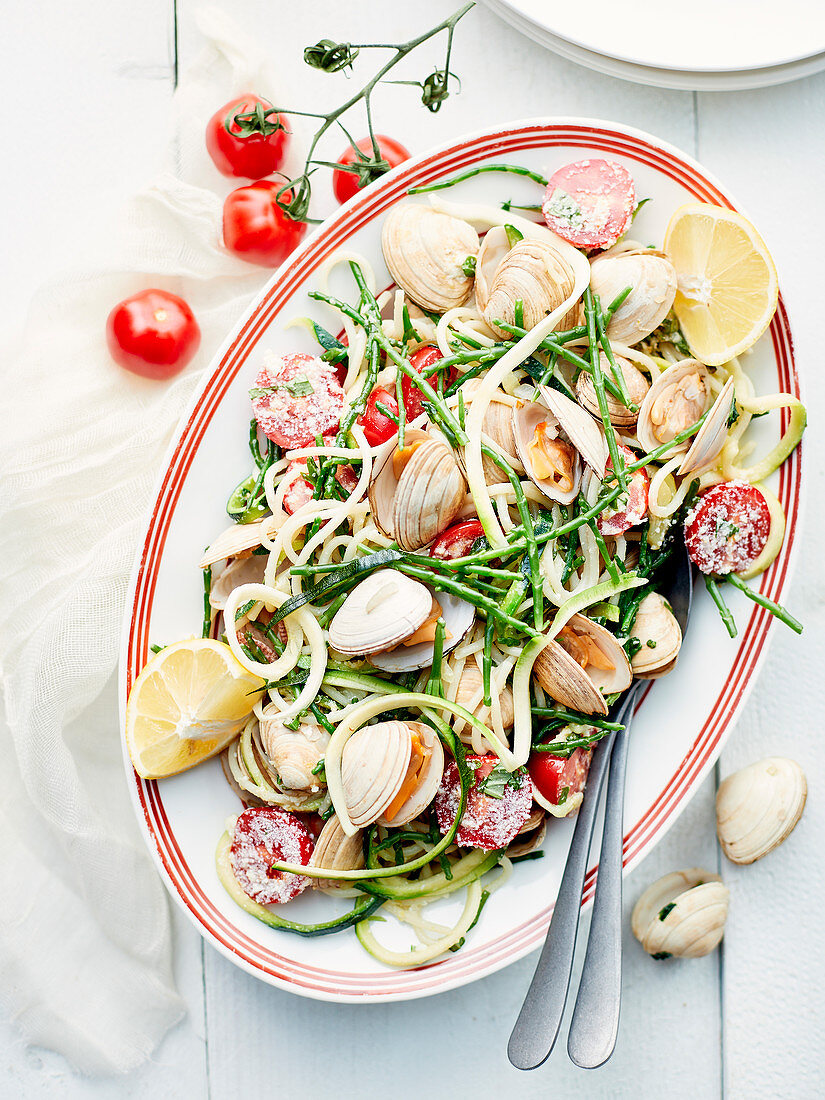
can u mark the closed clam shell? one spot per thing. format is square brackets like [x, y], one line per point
[427, 781]
[710, 439]
[458, 616]
[237, 539]
[637, 387]
[655, 623]
[653, 278]
[495, 244]
[758, 807]
[534, 273]
[569, 683]
[293, 753]
[469, 696]
[374, 763]
[381, 611]
[248, 570]
[425, 251]
[428, 495]
[682, 914]
[675, 400]
[335, 851]
[498, 425]
[383, 482]
[526, 419]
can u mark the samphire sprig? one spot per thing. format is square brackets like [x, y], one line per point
[332, 57]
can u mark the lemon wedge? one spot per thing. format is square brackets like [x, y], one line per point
[188, 703]
[727, 284]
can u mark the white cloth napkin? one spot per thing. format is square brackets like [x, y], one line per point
[85, 953]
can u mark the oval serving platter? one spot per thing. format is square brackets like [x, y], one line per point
[673, 746]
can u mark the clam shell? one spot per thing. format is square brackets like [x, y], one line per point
[655, 622]
[293, 753]
[534, 272]
[675, 400]
[424, 252]
[653, 278]
[249, 570]
[378, 613]
[530, 836]
[383, 482]
[494, 246]
[458, 618]
[498, 425]
[373, 765]
[526, 418]
[564, 679]
[758, 807]
[335, 851]
[470, 685]
[682, 914]
[237, 538]
[428, 781]
[637, 386]
[581, 429]
[710, 439]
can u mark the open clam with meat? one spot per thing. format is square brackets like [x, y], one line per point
[445, 566]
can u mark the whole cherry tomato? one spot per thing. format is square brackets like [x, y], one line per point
[153, 333]
[347, 184]
[247, 138]
[377, 427]
[255, 226]
[457, 541]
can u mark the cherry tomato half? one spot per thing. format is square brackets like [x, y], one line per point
[457, 541]
[255, 226]
[263, 836]
[727, 529]
[377, 427]
[347, 184]
[590, 203]
[558, 778]
[490, 821]
[297, 398]
[247, 138]
[153, 333]
[420, 361]
[635, 510]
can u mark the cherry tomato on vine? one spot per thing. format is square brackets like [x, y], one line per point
[558, 778]
[153, 333]
[247, 138]
[347, 184]
[255, 226]
[377, 427]
[457, 541]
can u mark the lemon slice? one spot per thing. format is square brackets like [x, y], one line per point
[187, 704]
[727, 285]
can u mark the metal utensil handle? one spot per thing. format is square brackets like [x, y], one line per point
[595, 1023]
[541, 1014]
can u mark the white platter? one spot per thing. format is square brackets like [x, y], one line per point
[682, 722]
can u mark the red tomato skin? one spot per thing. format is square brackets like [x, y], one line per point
[250, 157]
[457, 541]
[262, 836]
[605, 194]
[153, 333]
[377, 427]
[420, 361]
[297, 421]
[616, 523]
[711, 543]
[300, 491]
[345, 184]
[551, 774]
[487, 823]
[255, 227]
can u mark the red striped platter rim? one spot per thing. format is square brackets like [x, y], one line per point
[470, 964]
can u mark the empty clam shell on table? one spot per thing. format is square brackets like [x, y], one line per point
[758, 808]
[682, 914]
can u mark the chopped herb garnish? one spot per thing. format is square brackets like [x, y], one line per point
[469, 267]
[664, 912]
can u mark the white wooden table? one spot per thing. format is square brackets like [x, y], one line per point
[746, 1022]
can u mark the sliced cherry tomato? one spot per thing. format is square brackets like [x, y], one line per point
[255, 226]
[558, 778]
[420, 361]
[489, 822]
[346, 477]
[727, 529]
[263, 836]
[153, 333]
[247, 138]
[377, 427]
[300, 491]
[457, 541]
[347, 184]
[590, 203]
[615, 523]
[297, 398]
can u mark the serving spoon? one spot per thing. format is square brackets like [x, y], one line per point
[595, 1021]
